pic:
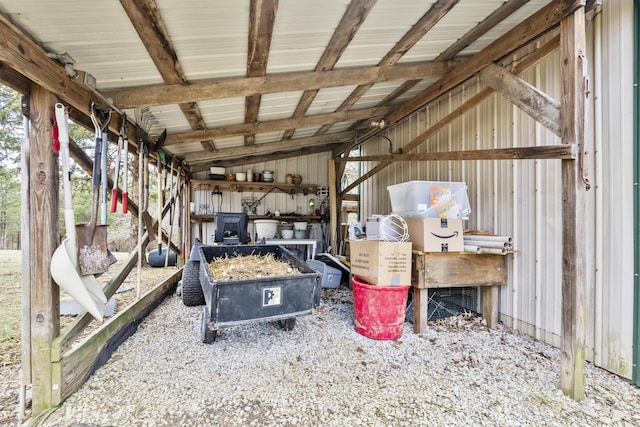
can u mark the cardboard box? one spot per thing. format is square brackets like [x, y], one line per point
[436, 234]
[381, 263]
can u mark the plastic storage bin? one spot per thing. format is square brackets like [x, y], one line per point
[331, 276]
[430, 199]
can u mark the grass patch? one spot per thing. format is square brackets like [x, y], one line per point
[10, 306]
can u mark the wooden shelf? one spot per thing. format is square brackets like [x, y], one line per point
[307, 218]
[259, 187]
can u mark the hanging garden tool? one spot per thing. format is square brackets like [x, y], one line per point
[171, 195]
[64, 262]
[115, 190]
[92, 239]
[125, 168]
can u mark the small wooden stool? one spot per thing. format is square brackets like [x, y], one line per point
[451, 270]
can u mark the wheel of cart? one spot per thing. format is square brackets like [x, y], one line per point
[207, 333]
[191, 289]
[287, 324]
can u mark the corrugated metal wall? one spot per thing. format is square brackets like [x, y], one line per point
[523, 198]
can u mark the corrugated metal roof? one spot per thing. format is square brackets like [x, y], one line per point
[210, 39]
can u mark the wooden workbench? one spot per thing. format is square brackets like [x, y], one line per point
[450, 270]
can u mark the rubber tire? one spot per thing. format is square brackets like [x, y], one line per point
[156, 259]
[192, 294]
[207, 335]
[287, 324]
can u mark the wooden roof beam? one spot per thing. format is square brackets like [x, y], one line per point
[148, 23]
[352, 19]
[262, 16]
[147, 96]
[520, 67]
[435, 13]
[265, 148]
[278, 155]
[537, 104]
[276, 125]
[538, 23]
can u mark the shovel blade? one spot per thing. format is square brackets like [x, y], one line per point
[84, 289]
[93, 257]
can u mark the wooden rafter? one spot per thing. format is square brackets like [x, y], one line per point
[147, 21]
[540, 22]
[565, 151]
[479, 30]
[279, 155]
[352, 19]
[276, 125]
[437, 11]
[262, 16]
[474, 34]
[523, 65]
[268, 148]
[528, 98]
[286, 82]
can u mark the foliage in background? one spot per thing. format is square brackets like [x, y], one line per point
[11, 136]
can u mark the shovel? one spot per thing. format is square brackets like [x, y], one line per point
[92, 239]
[64, 263]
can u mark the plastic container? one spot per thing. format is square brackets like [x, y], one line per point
[331, 276]
[379, 311]
[430, 199]
[301, 234]
[266, 228]
[300, 225]
[287, 234]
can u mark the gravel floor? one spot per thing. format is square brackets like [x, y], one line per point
[322, 373]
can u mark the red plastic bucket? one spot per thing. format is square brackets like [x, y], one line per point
[379, 311]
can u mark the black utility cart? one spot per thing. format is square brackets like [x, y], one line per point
[240, 302]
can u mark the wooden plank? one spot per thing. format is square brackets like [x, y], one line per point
[420, 310]
[276, 125]
[138, 97]
[537, 104]
[262, 16]
[436, 12]
[44, 231]
[538, 23]
[523, 65]
[574, 241]
[447, 270]
[350, 23]
[490, 299]
[78, 364]
[148, 23]
[334, 207]
[271, 147]
[563, 151]
[482, 28]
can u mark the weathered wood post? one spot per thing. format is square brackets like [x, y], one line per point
[574, 296]
[43, 240]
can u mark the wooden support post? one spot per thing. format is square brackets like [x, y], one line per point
[43, 238]
[572, 74]
[334, 207]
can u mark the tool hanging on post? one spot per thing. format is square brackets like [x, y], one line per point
[115, 190]
[125, 169]
[104, 159]
[91, 238]
[64, 262]
[171, 193]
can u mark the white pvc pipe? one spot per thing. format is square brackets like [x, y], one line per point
[495, 251]
[471, 248]
[482, 243]
[485, 238]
